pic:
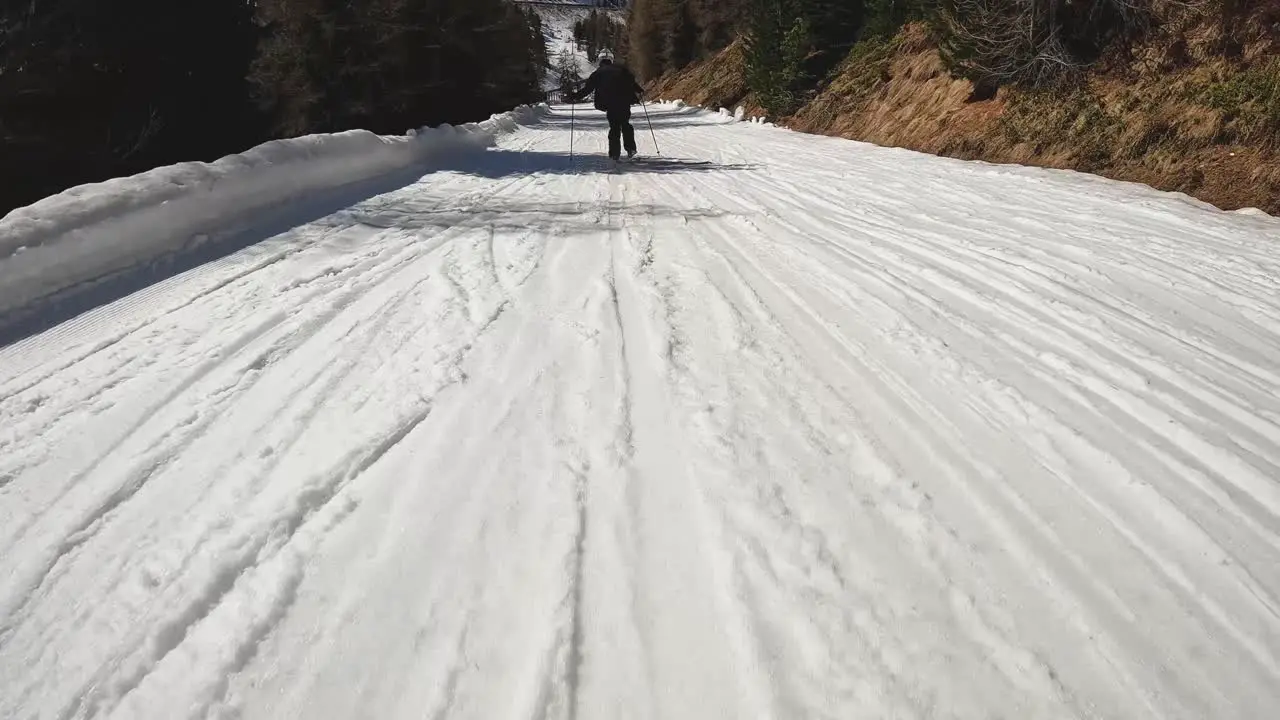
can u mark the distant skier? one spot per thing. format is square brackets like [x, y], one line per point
[616, 91]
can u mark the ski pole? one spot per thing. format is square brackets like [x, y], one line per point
[651, 132]
[571, 119]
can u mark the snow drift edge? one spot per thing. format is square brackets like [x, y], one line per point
[99, 229]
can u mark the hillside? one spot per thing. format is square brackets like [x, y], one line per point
[1172, 111]
[558, 19]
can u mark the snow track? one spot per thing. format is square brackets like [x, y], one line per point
[817, 430]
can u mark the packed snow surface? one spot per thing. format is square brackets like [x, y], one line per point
[813, 430]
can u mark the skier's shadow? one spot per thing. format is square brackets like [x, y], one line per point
[506, 163]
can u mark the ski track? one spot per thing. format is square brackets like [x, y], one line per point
[818, 430]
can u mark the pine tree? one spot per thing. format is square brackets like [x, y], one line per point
[93, 90]
[681, 35]
[597, 32]
[670, 34]
[778, 39]
[718, 23]
[645, 39]
[538, 43]
[883, 18]
[388, 65]
[834, 27]
[792, 44]
[568, 75]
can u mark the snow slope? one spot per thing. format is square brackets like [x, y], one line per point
[817, 430]
[558, 19]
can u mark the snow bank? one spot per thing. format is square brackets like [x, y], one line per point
[722, 115]
[1253, 212]
[96, 230]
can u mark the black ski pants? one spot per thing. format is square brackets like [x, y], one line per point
[620, 131]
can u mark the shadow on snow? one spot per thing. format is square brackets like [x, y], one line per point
[341, 202]
[505, 163]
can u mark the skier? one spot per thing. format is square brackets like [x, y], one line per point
[616, 91]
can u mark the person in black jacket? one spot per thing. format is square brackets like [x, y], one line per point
[616, 91]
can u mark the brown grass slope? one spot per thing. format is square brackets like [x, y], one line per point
[1195, 108]
[719, 81]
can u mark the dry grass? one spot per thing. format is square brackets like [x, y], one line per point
[1195, 109]
[719, 81]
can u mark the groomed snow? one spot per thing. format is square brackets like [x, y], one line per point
[815, 430]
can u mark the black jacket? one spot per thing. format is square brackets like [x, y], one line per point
[615, 88]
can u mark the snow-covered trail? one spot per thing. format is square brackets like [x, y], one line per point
[819, 430]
